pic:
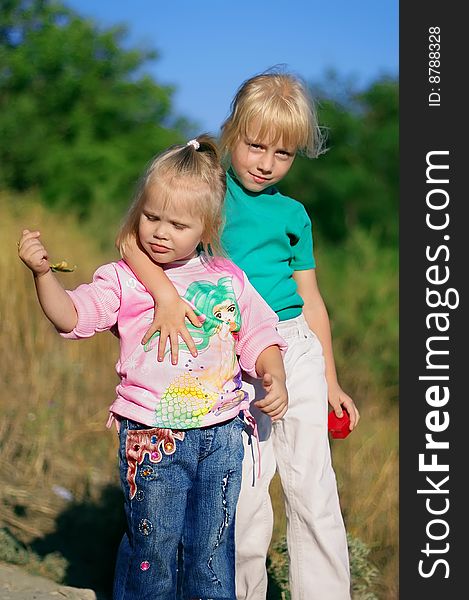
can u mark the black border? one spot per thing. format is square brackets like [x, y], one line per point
[425, 128]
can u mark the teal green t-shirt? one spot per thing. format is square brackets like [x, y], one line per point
[269, 236]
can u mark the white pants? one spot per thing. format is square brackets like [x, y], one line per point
[298, 447]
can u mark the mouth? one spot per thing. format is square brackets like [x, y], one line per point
[158, 248]
[259, 178]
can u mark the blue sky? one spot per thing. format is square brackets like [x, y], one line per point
[207, 48]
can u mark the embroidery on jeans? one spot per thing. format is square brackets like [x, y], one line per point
[224, 524]
[145, 526]
[148, 473]
[150, 442]
[144, 565]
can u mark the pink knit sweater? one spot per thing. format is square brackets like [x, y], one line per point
[197, 391]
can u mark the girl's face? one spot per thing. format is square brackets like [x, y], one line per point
[170, 234]
[260, 164]
[226, 312]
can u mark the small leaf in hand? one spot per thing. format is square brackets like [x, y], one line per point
[62, 267]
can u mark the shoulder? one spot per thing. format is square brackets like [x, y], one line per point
[104, 290]
[292, 205]
[113, 270]
[116, 275]
[228, 268]
[126, 277]
[105, 280]
[297, 223]
[105, 272]
[122, 269]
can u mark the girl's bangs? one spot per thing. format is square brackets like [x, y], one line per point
[182, 193]
[291, 131]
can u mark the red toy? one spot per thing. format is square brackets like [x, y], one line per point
[339, 428]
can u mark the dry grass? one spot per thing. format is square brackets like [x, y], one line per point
[55, 395]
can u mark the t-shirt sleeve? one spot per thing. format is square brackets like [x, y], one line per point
[257, 332]
[302, 246]
[97, 303]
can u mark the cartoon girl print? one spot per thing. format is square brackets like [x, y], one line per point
[216, 304]
[192, 397]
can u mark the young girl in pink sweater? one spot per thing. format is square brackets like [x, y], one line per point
[269, 235]
[179, 425]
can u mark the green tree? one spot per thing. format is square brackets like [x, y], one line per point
[79, 118]
[356, 182]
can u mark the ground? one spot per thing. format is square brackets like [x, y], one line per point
[17, 584]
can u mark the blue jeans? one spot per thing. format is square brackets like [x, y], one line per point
[181, 489]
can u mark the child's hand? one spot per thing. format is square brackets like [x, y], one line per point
[169, 320]
[337, 399]
[32, 252]
[275, 403]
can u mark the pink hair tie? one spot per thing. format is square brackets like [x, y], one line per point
[194, 143]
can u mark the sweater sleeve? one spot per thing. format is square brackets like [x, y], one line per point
[97, 303]
[257, 332]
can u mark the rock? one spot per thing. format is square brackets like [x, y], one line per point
[17, 584]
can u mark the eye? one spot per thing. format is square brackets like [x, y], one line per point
[231, 308]
[218, 314]
[179, 226]
[255, 146]
[151, 217]
[284, 154]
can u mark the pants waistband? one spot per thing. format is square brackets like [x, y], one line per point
[130, 424]
[293, 328]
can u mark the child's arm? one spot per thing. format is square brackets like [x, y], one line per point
[54, 300]
[269, 366]
[316, 316]
[169, 319]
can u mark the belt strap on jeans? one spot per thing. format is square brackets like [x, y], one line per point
[252, 422]
[113, 421]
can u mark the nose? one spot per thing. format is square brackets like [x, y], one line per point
[160, 231]
[265, 163]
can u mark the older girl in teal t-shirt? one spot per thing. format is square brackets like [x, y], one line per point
[269, 236]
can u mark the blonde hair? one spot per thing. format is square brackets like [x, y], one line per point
[281, 106]
[189, 175]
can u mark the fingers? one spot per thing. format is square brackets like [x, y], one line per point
[267, 380]
[154, 328]
[186, 336]
[270, 405]
[174, 342]
[162, 345]
[338, 411]
[281, 414]
[32, 252]
[174, 347]
[171, 324]
[26, 237]
[352, 410]
[275, 410]
[194, 319]
[354, 417]
[274, 404]
[173, 337]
